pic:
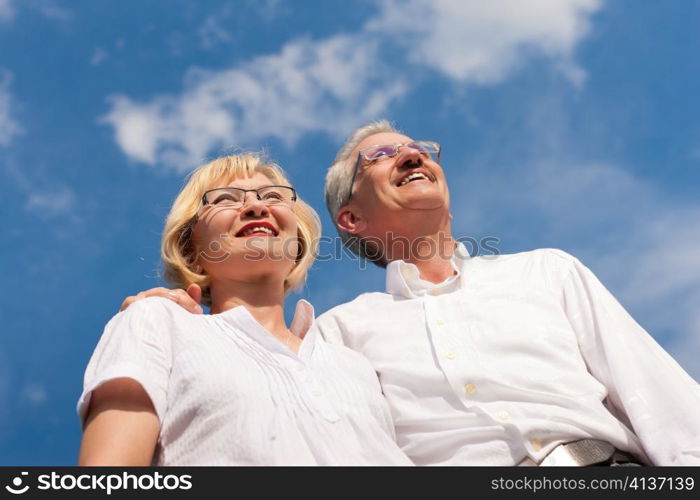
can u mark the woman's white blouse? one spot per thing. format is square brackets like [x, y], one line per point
[229, 393]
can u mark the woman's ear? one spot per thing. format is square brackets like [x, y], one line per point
[349, 221]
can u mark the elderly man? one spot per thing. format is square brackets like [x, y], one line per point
[493, 361]
[521, 359]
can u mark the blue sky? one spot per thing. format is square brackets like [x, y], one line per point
[564, 123]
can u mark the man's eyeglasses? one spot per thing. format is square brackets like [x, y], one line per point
[377, 153]
[231, 197]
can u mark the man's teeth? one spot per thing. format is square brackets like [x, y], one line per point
[258, 229]
[415, 175]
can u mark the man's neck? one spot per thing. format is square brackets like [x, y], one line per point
[430, 251]
[435, 270]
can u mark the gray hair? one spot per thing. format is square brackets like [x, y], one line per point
[339, 186]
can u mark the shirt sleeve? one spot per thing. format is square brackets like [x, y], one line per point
[645, 384]
[135, 344]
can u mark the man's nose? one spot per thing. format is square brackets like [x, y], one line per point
[409, 158]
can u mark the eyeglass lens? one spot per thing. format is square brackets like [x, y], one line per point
[269, 195]
[388, 150]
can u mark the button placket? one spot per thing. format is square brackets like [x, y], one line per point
[317, 396]
[455, 361]
[437, 328]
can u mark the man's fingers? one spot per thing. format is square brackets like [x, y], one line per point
[127, 302]
[154, 292]
[189, 299]
[195, 291]
[187, 302]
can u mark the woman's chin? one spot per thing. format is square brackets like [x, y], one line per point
[252, 263]
[265, 248]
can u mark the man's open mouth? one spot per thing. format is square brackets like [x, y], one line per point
[414, 176]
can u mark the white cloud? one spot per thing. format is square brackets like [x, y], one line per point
[481, 42]
[9, 128]
[99, 55]
[52, 10]
[7, 11]
[137, 128]
[46, 198]
[55, 202]
[326, 86]
[269, 9]
[34, 394]
[212, 33]
[47, 8]
[334, 84]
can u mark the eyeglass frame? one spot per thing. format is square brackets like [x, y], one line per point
[396, 146]
[245, 195]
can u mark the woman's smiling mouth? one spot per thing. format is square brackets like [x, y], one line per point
[257, 229]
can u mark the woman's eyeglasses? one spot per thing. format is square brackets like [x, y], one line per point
[232, 197]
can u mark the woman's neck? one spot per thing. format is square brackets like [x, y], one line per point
[264, 300]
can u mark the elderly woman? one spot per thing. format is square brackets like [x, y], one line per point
[237, 386]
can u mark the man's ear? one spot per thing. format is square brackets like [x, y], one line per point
[350, 221]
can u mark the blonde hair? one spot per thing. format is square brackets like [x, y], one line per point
[339, 186]
[178, 252]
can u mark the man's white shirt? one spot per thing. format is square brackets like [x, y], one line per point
[512, 355]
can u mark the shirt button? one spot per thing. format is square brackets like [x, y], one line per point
[504, 415]
[408, 272]
[470, 388]
[435, 292]
[440, 322]
[450, 355]
[536, 445]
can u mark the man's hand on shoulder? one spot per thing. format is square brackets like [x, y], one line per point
[189, 300]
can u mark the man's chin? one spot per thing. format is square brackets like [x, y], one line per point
[424, 203]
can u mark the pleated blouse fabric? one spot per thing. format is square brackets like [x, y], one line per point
[229, 393]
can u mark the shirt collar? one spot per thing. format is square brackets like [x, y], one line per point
[303, 318]
[301, 326]
[403, 279]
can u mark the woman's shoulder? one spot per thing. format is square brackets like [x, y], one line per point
[150, 313]
[154, 306]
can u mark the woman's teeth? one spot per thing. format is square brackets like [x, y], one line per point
[258, 229]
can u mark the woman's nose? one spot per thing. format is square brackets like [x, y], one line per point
[253, 207]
